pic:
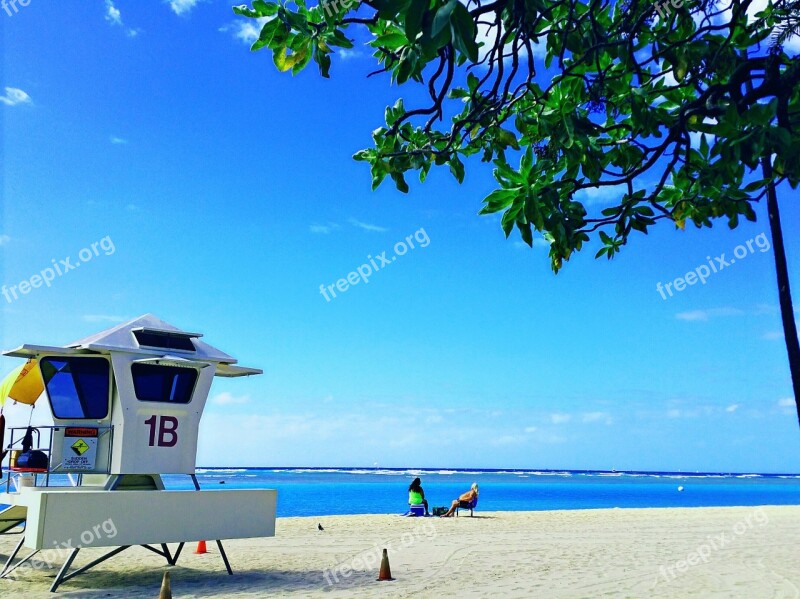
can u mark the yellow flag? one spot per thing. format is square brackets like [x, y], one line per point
[23, 384]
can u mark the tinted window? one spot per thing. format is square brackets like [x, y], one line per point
[163, 383]
[78, 388]
[164, 340]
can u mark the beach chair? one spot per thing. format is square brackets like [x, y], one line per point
[467, 505]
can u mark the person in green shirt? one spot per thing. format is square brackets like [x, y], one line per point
[416, 496]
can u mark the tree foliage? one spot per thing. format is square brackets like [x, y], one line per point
[670, 106]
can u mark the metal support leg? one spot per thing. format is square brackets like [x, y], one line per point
[64, 577]
[196, 484]
[177, 554]
[224, 557]
[11, 557]
[19, 563]
[62, 572]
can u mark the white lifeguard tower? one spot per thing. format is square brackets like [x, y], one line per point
[126, 406]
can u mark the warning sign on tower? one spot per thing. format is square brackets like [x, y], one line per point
[80, 448]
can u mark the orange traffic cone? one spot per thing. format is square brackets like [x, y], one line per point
[201, 547]
[386, 572]
[166, 588]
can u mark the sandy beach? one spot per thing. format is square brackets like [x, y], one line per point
[703, 552]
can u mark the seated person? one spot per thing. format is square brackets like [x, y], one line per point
[463, 500]
[416, 496]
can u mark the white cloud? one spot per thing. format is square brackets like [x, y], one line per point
[117, 140]
[704, 315]
[732, 408]
[14, 96]
[181, 7]
[538, 242]
[113, 15]
[674, 413]
[773, 335]
[228, 399]
[367, 226]
[103, 318]
[560, 418]
[606, 194]
[786, 402]
[488, 36]
[603, 417]
[4, 239]
[323, 229]
[347, 54]
[245, 30]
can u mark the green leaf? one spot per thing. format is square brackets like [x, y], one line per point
[273, 32]
[457, 168]
[339, 39]
[281, 60]
[391, 41]
[323, 60]
[442, 18]
[265, 9]
[413, 20]
[464, 32]
[400, 182]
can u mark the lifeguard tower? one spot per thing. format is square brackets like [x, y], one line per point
[126, 406]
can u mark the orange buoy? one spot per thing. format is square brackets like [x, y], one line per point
[386, 572]
[201, 547]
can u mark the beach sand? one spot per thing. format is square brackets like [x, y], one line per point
[703, 552]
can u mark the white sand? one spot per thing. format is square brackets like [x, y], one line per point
[752, 553]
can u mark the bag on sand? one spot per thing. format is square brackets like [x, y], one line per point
[439, 511]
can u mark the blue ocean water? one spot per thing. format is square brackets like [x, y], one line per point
[328, 491]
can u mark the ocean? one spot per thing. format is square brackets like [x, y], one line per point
[329, 491]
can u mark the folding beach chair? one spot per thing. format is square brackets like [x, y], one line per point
[467, 505]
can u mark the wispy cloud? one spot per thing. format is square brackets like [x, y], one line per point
[104, 318]
[560, 418]
[323, 229]
[4, 240]
[228, 399]
[772, 335]
[604, 417]
[732, 408]
[14, 96]
[538, 242]
[786, 402]
[182, 7]
[704, 315]
[114, 16]
[246, 30]
[367, 226]
[601, 195]
[117, 141]
[346, 54]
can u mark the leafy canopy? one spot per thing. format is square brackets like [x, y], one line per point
[674, 107]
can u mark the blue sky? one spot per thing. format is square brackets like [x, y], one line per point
[229, 195]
